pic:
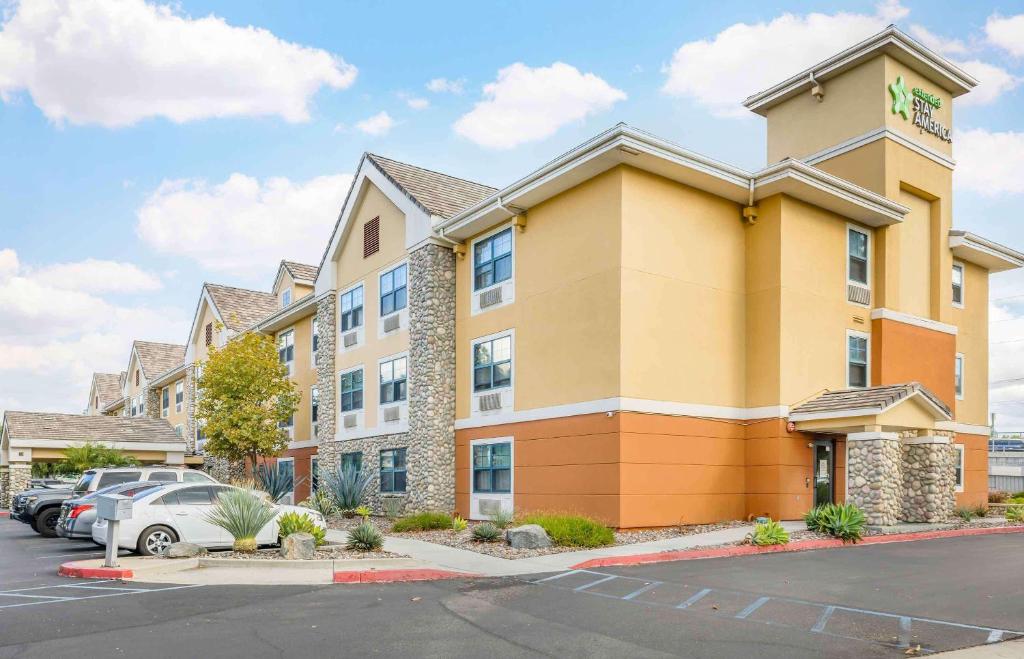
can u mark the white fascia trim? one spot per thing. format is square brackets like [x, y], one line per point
[898, 316]
[309, 443]
[963, 428]
[288, 315]
[619, 404]
[371, 432]
[871, 436]
[127, 446]
[835, 414]
[970, 241]
[873, 136]
[168, 377]
[208, 299]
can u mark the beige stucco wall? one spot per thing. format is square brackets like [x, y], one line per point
[303, 375]
[896, 122]
[131, 389]
[174, 417]
[200, 349]
[972, 342]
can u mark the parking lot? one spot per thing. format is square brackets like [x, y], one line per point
[875, 601]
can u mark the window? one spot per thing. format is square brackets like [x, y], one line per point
[371, 237]
[958, 376]
[352, 309]
[314, 473]
[195, 477]
[492, 260]
[179, 396]
[316, 342]
[392, 470]
[286, 470]
[286, 349]
[857, 251]
[393, 381]
[209, 333]
[857, 360]
[353, 460]
[492, 467]
[286, 297]
[352, 390]
[314, 410]
[134, 406]
[117, 477]
[958, 285]
[195, 496]
[165, 402]
[142, 403]
[393, 290]
[179, 430]
[492, 364]
[287, 424]
[163, 476]
[958, 468]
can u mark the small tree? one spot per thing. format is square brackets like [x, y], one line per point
[90, 455]
[246, 393]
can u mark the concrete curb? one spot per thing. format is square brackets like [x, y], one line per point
[803, 545]
[391, 576]
[72, 570]
[5, 513]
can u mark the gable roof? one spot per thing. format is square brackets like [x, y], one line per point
[106, 387]
[302, 272]
[241, 308]
[155, 358]
[84, 428]
[436, 193]
[866, 401]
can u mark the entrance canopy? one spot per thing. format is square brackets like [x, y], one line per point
[886, 408]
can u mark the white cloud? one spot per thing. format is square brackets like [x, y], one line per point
[744, 59]
[53, 337]
[528, 104]
[377, 125]
[992, 83]
[989, 163]
[96, 276]
[417, 103]
[243, 226]
[1006, 33]
[941, 45]
[117, 62]
[444, 85]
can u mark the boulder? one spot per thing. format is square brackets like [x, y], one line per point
[528, 536]
[185, 550]
[298, 547]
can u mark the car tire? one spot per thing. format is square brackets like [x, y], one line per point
[46, 522]
[155, 540]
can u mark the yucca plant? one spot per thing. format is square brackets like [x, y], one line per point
[321, 502]
[768, 533]
[502, 519]
[273, 482]
[486, 532]
[364, 537]
[241, 514]
[347, 486]
[295, 522]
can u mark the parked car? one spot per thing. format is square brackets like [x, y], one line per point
[40, 508]
[175, 513]
[55, 483]
[78, 514]
[1000, 445]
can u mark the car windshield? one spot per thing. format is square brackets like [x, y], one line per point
[83, 483]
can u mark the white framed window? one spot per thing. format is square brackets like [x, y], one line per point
[286, 469]
[286, 297]
[858, 265]
[314, 474]
[350, 304]
[314, 358]
[165, 402]
[134, 406]
[858, 359]
[142, 404]
[491, 476]
[394, 290]
[958, 376]
[958, 285]
[959, 467]
[286, 349]
[492, 279]
[179, 396]
[350, 390]
[492, 371]
[179, 430]
[314, 411]
[392, 390]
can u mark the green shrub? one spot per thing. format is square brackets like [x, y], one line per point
[843, 521]
[243, 515]
[768, 533]
[572, 530]
[999, 496]
[459, 524]
[347, 486]
[363, 511]
[966, 514]
[392, 506]
[502, 519]
[981, 510]
[365, 537]
[1015, 499]
[321, 502]
[1015, 514]
[425, 521]
[293, 522]
[486, 532]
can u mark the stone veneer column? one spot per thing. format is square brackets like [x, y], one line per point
[874, 476]
[929, 478]
[5, 488]
[190, 408]
[431, 454]
[326, 323]
[153, 402]
[18, 476]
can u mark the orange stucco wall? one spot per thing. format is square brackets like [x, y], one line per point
[905, 353]
[302, 470]
[975, 470]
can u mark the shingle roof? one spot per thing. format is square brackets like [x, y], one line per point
[241, 308]
[82, 428]
[107, 387]
[301, 271]
[438, 194]
[156, 358]
[869, 400]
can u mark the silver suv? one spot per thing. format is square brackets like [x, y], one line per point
[97, 479]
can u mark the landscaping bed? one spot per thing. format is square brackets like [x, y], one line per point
[325, 553]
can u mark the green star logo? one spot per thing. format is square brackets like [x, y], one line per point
[900, 97]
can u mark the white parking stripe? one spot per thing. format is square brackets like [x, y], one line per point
[52, 599]
[46, 597]
[89, 553]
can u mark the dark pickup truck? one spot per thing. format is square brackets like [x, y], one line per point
[40, 508]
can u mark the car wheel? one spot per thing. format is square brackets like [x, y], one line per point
[155, 540]
[46, 522]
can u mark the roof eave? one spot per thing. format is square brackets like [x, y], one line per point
[986, 253]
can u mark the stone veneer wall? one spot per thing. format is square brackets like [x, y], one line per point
[153, 402]
[190, 408]
[5, 488]
[327, 329]
[18, 476]
[875, 481]
[929, 480]
[330, 459]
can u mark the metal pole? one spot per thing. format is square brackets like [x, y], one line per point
[112, 538]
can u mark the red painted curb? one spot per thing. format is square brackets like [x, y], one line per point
[72, 570]
[388, 576]
[802, 545]
[5, 513]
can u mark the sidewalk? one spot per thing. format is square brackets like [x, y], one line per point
[1008, 650]
[464, 560]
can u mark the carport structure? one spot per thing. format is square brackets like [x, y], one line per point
[39, 437]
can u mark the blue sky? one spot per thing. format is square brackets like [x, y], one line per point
[134, 168]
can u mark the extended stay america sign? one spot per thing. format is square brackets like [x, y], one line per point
[923, 105]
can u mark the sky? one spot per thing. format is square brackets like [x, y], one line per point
[147, 147]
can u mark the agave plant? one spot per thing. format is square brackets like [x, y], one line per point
[347, 486]
[365, 537]
[273, 481]
[321, 502]
[241, 514]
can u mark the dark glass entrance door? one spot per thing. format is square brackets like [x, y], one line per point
[824, 471]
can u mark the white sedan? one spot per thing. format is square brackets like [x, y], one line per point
[177, 512]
